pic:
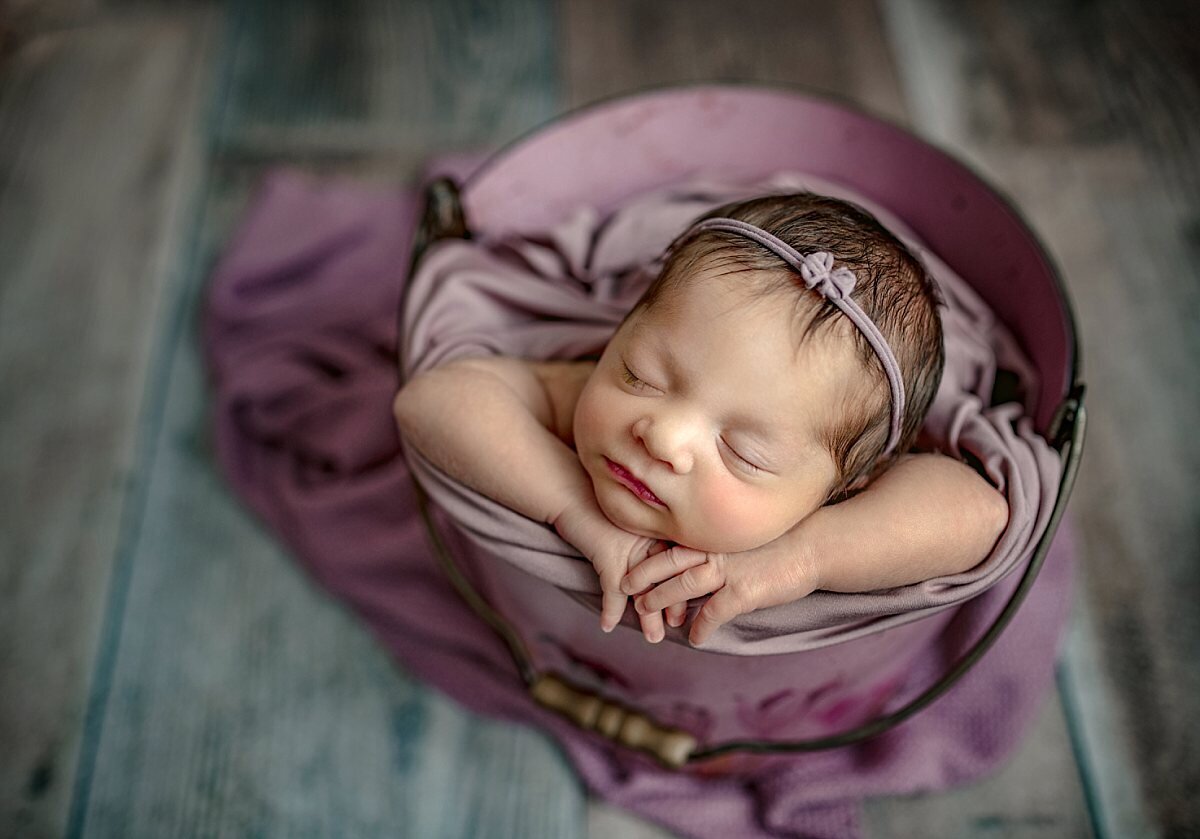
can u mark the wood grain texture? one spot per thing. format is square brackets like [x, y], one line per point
[318, 79]
[833, 48]
[97, 159]
[1102, 157]
[1024, 799]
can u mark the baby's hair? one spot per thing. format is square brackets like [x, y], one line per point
[893, 288]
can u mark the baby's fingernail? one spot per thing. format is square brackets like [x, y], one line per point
[655, 637]
[606, 627]
[639, 607]
[626, 586]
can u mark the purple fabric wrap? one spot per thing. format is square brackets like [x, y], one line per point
[300, 340]
[563, 294]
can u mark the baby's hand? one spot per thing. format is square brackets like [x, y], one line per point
[612, 552]
[739, 583]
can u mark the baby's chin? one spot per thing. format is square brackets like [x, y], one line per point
[723, 543]
[618, 514]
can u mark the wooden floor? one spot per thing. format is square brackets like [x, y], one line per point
[165, 668]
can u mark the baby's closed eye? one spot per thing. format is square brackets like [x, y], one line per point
[742, 461]
[630, 378]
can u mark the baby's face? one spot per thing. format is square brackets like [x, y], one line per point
[704, 402]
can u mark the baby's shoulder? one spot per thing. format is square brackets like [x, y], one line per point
[563, 382]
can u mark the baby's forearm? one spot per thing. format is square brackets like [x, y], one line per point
[479, 424]
[928, 516]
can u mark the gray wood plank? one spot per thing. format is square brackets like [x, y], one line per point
[245, 701]
[1018, 801]
[22, 19]
[97, 164]
[391, 79]
[625, 45]
[607, 822]
[1089, 116]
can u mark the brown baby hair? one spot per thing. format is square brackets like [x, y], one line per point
[893, 288]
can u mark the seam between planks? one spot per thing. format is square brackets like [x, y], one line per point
[1079, 749]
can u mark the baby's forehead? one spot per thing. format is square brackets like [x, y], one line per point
[750, 308]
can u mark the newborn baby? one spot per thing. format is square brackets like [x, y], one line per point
[783, 358]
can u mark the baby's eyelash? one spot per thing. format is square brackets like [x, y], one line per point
[754, 469]
[627, 375]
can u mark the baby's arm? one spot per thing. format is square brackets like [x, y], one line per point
[488, 424]
[502, 426]
[928, 516]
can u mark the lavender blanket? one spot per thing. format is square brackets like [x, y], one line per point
[300, 340]
[562, 294]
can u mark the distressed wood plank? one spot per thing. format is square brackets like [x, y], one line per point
[1080, 74]
[1021, 800]
[1126, 254]
[98, 165]
[1089, 116]
[626, 45]
[373, 76]
[21, 19]
[605, 821]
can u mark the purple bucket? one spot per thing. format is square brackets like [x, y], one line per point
[605, 154]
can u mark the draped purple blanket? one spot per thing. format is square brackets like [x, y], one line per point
[300, 339]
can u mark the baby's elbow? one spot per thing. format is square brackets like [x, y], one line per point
[404, 405]
[995, 518]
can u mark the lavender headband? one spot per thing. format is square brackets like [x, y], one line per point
[836, 285]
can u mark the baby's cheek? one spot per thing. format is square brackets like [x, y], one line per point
[585, 425]
[731, 516]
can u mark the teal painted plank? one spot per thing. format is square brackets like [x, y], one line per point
[374, 76]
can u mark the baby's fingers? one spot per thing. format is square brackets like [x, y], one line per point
[661, 566]
[652, 627]
[676, 614]
[721, 608]
[695, 582]
[612, 607]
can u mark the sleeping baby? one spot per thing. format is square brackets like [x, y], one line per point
[747, 432]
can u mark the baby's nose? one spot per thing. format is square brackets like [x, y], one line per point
[668, 440]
